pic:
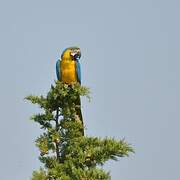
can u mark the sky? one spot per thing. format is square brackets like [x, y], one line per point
[130, 61]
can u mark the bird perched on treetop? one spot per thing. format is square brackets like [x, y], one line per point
[68, 71]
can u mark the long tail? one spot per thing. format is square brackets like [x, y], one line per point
[79, 113]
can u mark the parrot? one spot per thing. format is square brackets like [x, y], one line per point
[68, 71]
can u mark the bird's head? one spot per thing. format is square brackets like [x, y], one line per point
[71, 53]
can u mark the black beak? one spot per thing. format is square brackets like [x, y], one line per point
[77, 56]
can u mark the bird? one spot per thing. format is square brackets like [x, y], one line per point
[68, 71]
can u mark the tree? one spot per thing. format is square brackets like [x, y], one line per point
[65, 152]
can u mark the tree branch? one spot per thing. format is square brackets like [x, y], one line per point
[57, 129]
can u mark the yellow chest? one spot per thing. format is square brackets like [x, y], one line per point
[68, 71]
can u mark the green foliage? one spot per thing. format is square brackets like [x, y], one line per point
[64, 151]
[39, 175]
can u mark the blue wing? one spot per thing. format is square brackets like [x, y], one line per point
[58, 73]
[78, 71]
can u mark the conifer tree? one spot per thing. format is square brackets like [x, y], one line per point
[66, 153]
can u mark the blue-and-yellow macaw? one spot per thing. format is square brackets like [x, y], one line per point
[68, 71]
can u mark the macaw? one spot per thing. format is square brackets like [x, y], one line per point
[68, 71]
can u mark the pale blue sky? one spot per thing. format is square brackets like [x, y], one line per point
[130, 60]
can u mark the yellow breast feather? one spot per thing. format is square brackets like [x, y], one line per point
[68, 71]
